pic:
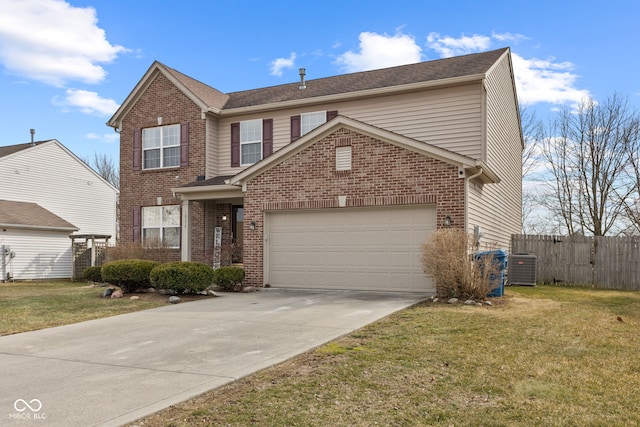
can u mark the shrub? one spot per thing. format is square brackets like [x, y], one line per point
[150, 251]
[447, 259]
[129, 274]
[93, 274]
[182, 276]
[228, 277]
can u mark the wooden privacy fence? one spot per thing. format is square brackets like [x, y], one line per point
[605, 262]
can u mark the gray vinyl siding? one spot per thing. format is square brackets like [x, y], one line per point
[496, 208]
[449, 118]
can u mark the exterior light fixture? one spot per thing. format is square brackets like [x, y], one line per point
[253, 225]
[224, 217]
[447, 221]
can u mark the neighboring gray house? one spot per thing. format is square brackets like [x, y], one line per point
[48, 194]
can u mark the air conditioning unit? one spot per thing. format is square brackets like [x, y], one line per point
[522, 269]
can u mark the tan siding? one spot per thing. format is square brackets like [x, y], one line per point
[449, 118]
[496, 208]
[212, 133]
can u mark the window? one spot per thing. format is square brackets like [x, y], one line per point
[161, 226]
[250, 142]
[161, 147]
[310, 121]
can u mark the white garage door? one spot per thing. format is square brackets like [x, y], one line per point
[362, 248]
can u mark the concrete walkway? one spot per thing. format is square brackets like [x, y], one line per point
[112, 371]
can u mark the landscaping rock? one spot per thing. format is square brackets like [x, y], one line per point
[107, 292]
[248, 289]
[174, 299]
[134, 298]
[151, 290]
[470, 302]
[167, 292]
[488, 303]
[212, 293]
[117, 294]
[435, 299]
[452, 301]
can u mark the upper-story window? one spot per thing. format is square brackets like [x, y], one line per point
[305, 123]
[161, 147]
[310, 121]
[250, 142]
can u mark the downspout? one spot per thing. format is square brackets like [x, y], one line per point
[466, 196]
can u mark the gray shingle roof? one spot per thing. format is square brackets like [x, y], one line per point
[458, 66]
[10, 149]
[25, 214]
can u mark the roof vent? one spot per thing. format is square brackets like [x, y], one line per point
[302, 83]
[33, 133]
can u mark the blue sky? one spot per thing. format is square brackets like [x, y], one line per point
[65, 66]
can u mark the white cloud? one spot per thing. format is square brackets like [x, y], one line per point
[279, 64]
[380, 51]
[537, 80]
[544, 80]
[53, 42]
[87, 102]
[508, 37]
[448, 46]
[108, 138]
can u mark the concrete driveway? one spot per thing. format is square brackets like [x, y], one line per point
[112, 371]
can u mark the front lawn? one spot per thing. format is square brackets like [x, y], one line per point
[547, 356]
[27, 306]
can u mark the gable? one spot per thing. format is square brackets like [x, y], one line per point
[461, 162]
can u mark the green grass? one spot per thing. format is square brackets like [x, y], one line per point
[28, 306]
[548, 356]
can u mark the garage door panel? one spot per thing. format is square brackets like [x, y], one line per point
[362, 248]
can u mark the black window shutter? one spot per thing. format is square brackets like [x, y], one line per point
[184, 144]
[235, 144]
[332, 114]
[136, 224]
[267, 137]
[295, 128]
[137, 148]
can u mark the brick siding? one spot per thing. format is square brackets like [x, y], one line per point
[381, 174]
[142, 188]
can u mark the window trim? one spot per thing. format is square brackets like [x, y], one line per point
[178, 145]
[259, 125]
[309, 114]
[162, 227]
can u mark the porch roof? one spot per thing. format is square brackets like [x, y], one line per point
[214, 188]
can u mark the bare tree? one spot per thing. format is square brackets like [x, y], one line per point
[587, 156]
[532, 133]
[105, 167]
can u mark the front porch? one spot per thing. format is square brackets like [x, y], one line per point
[216, 236]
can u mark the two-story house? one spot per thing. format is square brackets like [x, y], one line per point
[328, 183]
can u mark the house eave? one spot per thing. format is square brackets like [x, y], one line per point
[208, 192]
[350, 96]
[38, 227]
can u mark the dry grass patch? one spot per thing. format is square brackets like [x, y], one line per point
[28, 306]
[548, 356]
